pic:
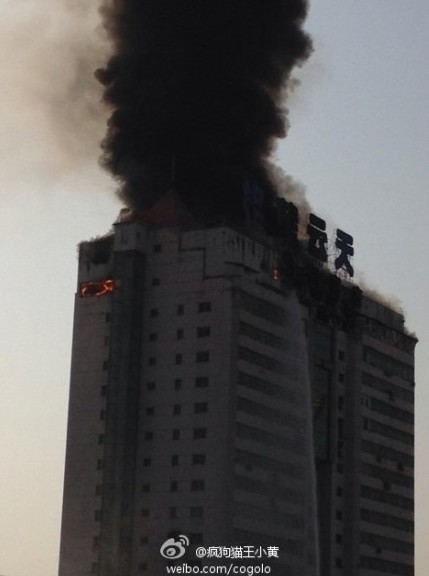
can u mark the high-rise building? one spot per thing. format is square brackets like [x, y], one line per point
[191, 409]
[363, 398]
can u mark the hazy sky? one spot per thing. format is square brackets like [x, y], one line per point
[358, 142]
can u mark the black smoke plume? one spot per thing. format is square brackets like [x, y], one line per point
[196, 90]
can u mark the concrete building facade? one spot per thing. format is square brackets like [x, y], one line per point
[197, 376]
[363, 394]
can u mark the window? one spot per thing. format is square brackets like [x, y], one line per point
[262, 308]
[201, 381]
[200, 433]
[339, 515]
[148, 435]
[176, 434]
[339, 491]
[173, 486]
[202, 356]
[157, 248]
[177, 384]
[341, 377]
[338, 538]
[173, 512]
[101, 438]
[179, 358]
[147, 461]
[263, 336]
[176, 409]
[97, 515]
[95, 542]
[154, 313]
[150, 386]
[261, 360]
[102, 414]
[204, 306]
[200, 407]
[146, 488]
[203, 331]
[156, 281]
[153, 337]
[197, 485]
[144, 540]
[145, 512]
[340, 402]
[100, 464]
[99, 490]
[105, 365]
[180, 309]
[341, 355]
[152, 361]
[180, 334]
[338, 562]
[104, 390]
[108, 316]
[94, 568]
[142, 567]
[175, 460]
[150, 411]
[198, 459]
[196, 512]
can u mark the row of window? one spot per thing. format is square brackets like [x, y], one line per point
[388, 476]
[263, 336]
[266, 387]
[270, 414]
[250, 461]
[387, 334]
[199, 408]
[386, 520]
[391, 411]
[383, 452]
[199, 382]
[270, 515]
[390, 366]
[392, 390]
[388, 431]
[203, 356]
[194, 512]
[262, 308]
[261, 360]
[267, 489]
[197, 460]
[384, 543]
[180, 310]
[201, 332]
[197, 434]
[295, 445]
[387, 498]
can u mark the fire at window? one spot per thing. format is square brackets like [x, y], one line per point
[97, 287]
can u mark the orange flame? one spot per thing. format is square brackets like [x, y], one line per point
[97, 287]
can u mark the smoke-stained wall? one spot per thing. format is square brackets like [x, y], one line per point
[196, 92]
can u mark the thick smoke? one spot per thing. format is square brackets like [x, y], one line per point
[195, 88]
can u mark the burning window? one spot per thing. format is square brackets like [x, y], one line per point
[97, 287]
